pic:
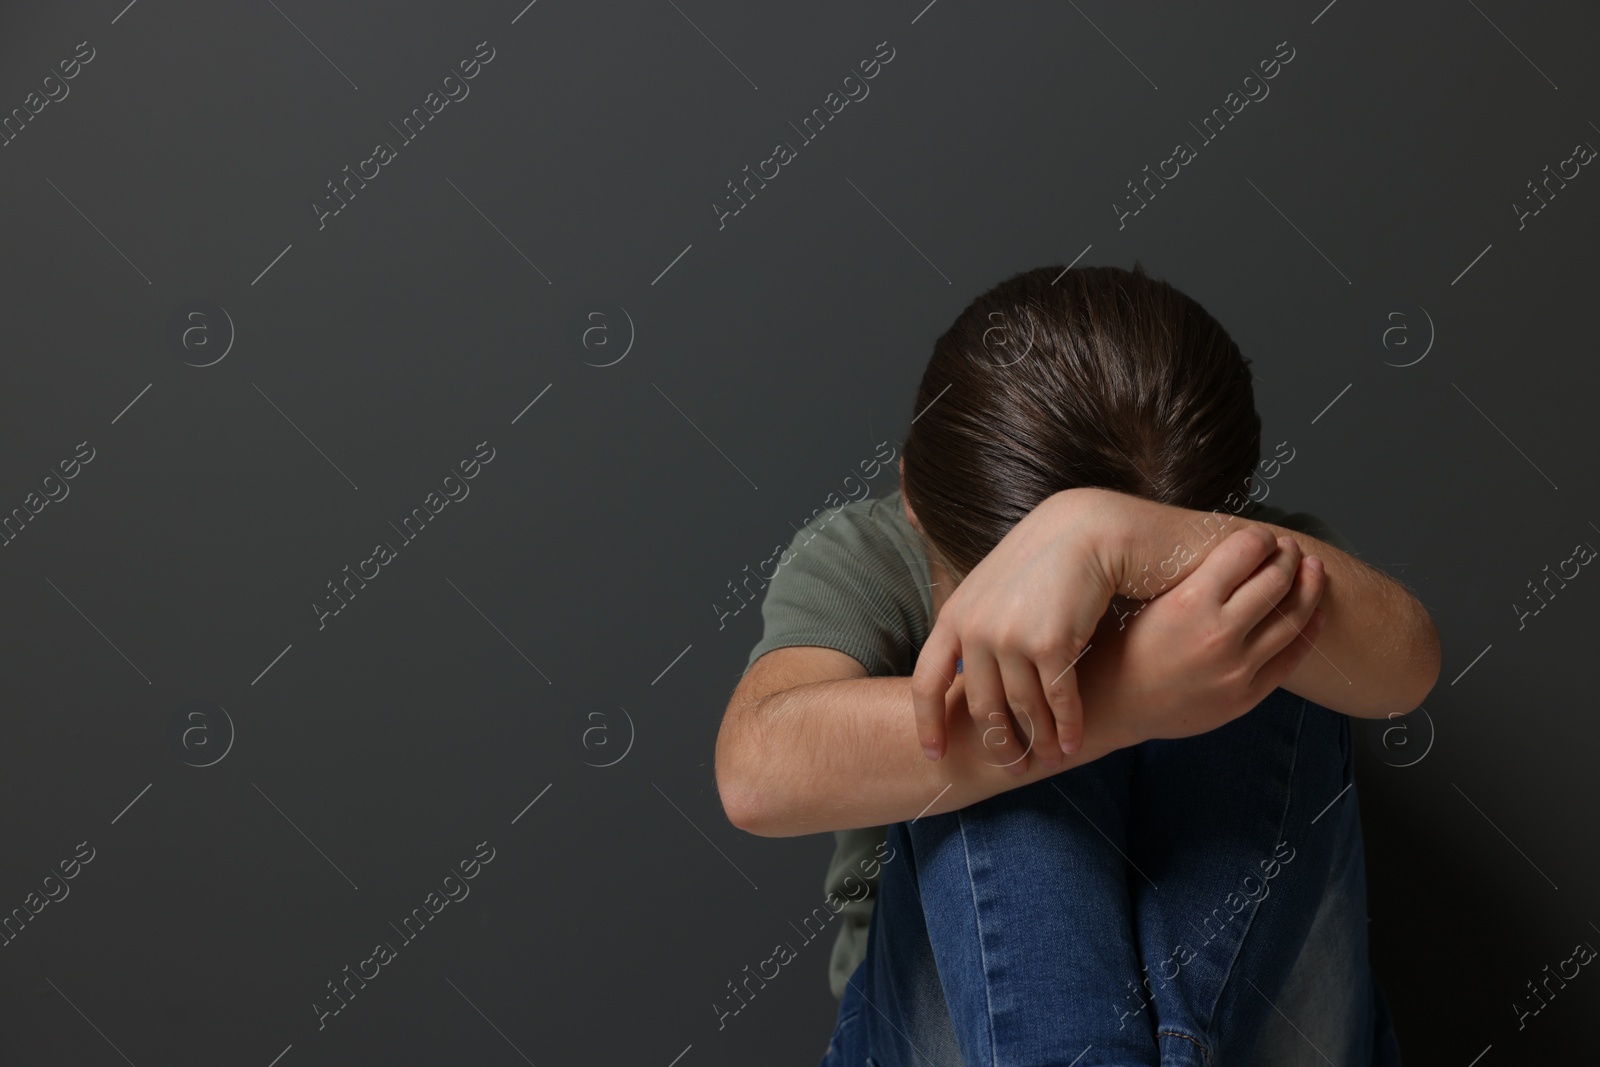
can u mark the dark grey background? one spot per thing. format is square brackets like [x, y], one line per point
[574, 590]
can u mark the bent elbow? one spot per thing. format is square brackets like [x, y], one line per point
[745, 811]
[731, 790]
[736, 805]
[741, 798]
[739, 814]
[1429, 661]
[751, 808]
[1420, 676]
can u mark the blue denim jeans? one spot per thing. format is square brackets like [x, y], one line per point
[1199, 901]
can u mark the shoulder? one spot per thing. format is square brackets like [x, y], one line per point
[856, 530]
[874, 529]
[853, 578]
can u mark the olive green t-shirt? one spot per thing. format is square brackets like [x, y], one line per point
[856, 579]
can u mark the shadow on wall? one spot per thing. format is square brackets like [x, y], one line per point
[1458, 932]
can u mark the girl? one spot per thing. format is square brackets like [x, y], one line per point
[1146, 848]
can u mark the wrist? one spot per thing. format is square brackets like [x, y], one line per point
[1128, 536]
[1089, 514]
[1148, 547]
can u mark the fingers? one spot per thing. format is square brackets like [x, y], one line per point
[1258, 595]
[1004, 740]
[1281, 631]
[1277, 669]
[1231, 563]
[1025, 695]
[934, 674]
[1059, 674]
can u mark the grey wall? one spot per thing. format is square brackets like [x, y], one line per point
[263, 790]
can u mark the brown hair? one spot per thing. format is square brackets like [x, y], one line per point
[1102, 377]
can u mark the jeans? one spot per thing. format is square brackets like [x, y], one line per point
[1198, 901]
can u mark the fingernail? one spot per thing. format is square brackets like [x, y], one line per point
[931, 751]
[1317, 618]
[1314, 562]
[1068, 745]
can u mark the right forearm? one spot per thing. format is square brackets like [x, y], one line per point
[843, 753]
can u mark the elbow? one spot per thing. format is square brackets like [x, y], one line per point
[759, 790]
[1429, 660]
[745, 811]
[736, 788]
[736, 805]
[751, 822]
[1421, 674]
[731, 789]
[750, 805]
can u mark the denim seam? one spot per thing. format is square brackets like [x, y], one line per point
[1283, 819]
[1201, 1045]
[977, 919]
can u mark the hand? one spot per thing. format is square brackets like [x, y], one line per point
[1020, 619]
[991, 737]
[1211, 647]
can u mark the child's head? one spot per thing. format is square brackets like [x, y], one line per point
[1105, 377]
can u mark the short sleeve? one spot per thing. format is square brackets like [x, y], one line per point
[842, 584]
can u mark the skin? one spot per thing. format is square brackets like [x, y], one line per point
[1271, 590]
[809, 743]
[1377, 655]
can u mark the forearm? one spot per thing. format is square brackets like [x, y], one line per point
[843, 753]
[1378, 652]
